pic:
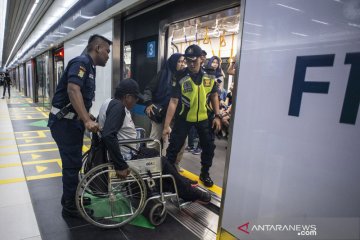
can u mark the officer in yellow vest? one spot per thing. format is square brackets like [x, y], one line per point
[193, 87]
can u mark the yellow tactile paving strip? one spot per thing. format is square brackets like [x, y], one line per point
[33, 147]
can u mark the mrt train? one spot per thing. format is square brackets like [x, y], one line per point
[289, 168]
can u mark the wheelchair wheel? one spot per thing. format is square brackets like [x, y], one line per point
[114, 202]
[84, 160]
[157, 213]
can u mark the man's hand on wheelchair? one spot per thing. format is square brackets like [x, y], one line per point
[149, 110]
[122, 174]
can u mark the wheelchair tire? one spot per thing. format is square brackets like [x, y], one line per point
[84, 160]
[114, 202]
[157, 214]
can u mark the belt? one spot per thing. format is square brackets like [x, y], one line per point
[70, 115]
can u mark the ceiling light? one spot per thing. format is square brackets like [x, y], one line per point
[55, 12]
[22, 29]
[288, 7]
[299, 34]
[318, 21]
[3, 7]
[251, 33]
[254, 24]
[354, 25]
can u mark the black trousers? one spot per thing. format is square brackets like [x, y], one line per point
[68, 135]
[178, 137]
[8, 88]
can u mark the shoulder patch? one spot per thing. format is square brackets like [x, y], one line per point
[81, 73]
[207, 82]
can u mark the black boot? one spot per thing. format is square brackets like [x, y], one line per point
[70, 210]
[205, 177]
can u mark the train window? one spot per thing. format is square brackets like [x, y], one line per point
[216, 33]
[127, 62]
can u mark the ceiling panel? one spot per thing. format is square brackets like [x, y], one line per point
[17, 12]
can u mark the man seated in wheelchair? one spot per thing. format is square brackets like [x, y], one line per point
[116, 124]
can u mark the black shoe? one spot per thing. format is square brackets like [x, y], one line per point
[70, 210]
[202, 197]
[205, 178]
[74, 213]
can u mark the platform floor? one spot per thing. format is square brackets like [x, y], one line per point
[31, 188]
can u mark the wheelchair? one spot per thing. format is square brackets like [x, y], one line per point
[115, 202]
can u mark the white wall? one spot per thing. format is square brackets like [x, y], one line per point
[287, 169]
[75, 47]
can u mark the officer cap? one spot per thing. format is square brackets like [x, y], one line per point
[193, 51]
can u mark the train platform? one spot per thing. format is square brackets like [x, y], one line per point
[31, 187]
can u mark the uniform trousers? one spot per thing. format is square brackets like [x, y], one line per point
[68, 135]
[178, 137]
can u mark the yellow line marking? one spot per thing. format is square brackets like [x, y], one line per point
[8, 146]
[27, 145]
[13, 180]
[6, 133]
[224, 235]
[40, 135]
[39, 150]
[41, 161]
[29, 118]
[192, 176]
[6, 165]
[37, 131]
[30, 137]
[29, 178]
[35, 144]
[29, 151]
[8, 154]
[51, 175]
[4, 139]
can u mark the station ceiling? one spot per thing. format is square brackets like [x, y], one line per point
[16, 14]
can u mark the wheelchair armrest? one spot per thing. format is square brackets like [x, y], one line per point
[142, 140]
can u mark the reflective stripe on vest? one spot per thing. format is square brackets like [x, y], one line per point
[194, 97]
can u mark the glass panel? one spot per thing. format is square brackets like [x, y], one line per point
[127, 62]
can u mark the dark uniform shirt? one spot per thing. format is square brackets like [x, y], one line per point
[80, 71]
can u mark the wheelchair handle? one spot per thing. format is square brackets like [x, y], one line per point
[142, 140]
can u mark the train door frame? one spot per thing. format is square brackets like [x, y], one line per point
[57, 55]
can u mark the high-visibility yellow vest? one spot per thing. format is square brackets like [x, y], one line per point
[194, 97]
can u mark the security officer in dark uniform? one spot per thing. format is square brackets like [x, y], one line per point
[69, 115]
[194, 86]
